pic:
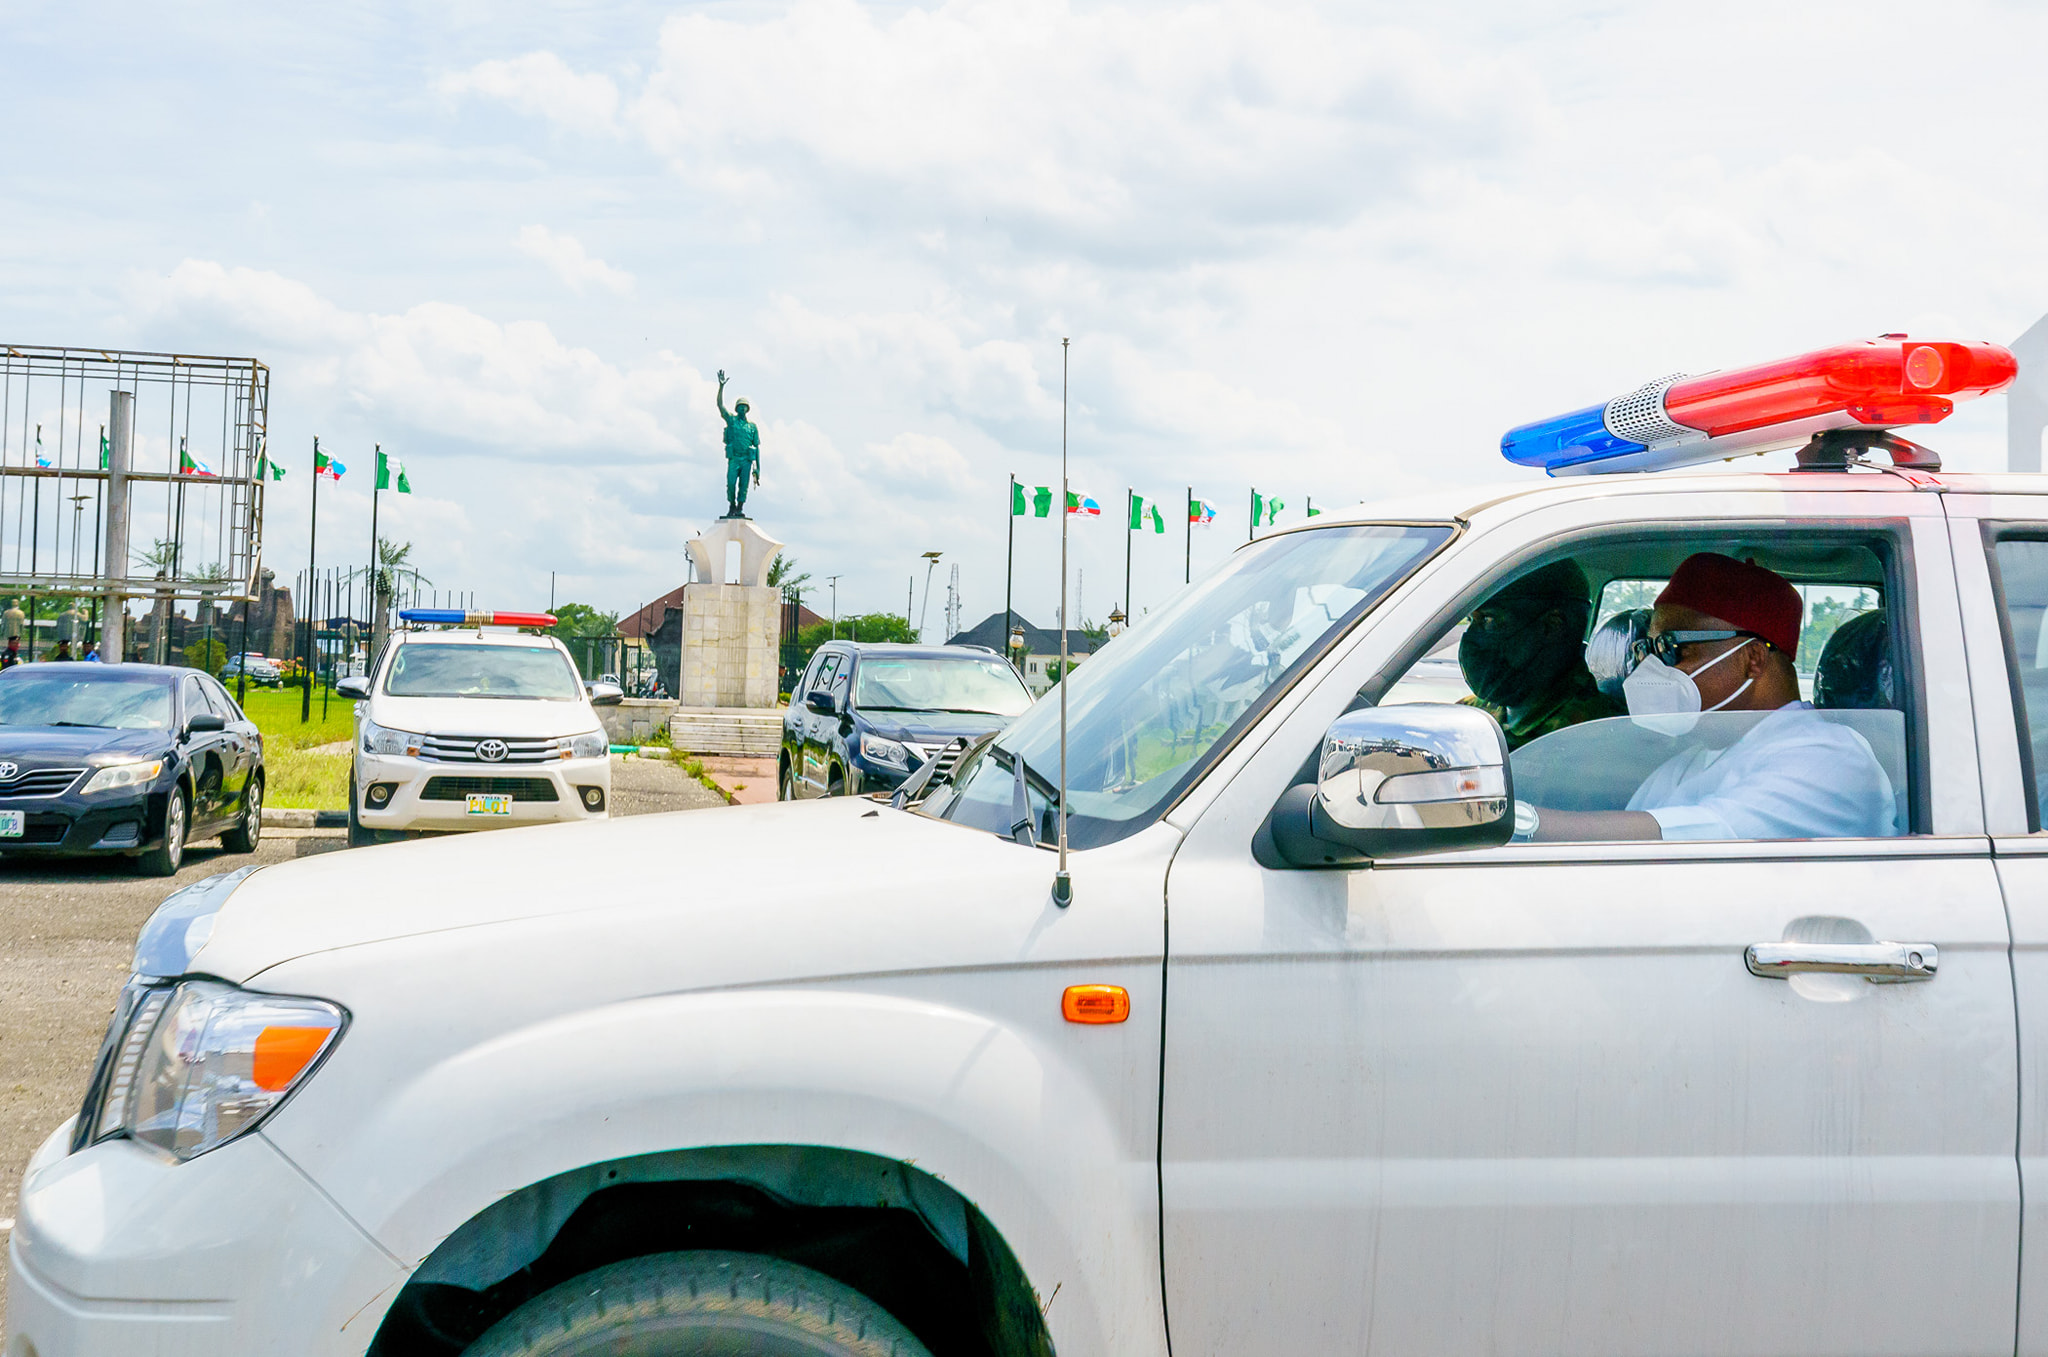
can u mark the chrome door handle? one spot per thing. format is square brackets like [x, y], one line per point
[1878, 962]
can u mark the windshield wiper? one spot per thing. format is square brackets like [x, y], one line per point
[83, 725]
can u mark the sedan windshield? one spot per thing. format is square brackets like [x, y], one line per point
[424, 669]
[1145, 714]
[967, 683]
[55, 699]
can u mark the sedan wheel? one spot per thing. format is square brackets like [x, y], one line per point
[168, 856]
[242, 838]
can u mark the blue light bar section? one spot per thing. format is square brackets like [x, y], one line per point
[450, 615]
[1580, 436]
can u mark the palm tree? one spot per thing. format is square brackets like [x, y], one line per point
[391, 564]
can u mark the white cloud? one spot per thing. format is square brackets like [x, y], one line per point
[541, 83]
[566, 257]
[1134, 135]
[440, 368]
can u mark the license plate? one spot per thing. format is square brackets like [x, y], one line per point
[484, 803]
[12, 822]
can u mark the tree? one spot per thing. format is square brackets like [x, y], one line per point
[208, 656]
[879, 627]
[781, 575]
[580, 619]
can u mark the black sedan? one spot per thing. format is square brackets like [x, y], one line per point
[125, 759]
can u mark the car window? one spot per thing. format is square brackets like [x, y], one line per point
[964, 683]
[823, 678]
[506, 672]
[223, 702]
[2022, 573]
[194, 699]
[42, 695]
[1150, 710]
[1834, 761]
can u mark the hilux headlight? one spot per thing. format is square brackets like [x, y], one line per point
[189, 1067]
[123, 776]
[384, 740]
[590, 745]
[888, 753]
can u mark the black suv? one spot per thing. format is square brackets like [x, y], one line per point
[864, 717]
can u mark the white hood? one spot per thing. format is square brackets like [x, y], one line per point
[533, 717]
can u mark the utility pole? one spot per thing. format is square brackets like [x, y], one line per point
[120, 448]
[931, 564]
[833, 580]
[312, 555]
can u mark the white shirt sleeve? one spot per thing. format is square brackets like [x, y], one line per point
[1691, 822]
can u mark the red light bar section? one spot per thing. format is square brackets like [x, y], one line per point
[1875, 381]
[521, 619]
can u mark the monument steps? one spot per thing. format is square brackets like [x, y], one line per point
[737, 731]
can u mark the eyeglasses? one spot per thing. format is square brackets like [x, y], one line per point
[1667, 645]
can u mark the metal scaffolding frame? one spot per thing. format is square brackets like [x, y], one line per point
[98, 431]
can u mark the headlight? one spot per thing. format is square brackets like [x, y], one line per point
[593, 745]
[188, 1068]
[123, 776]
[885, 752]
[383, 740]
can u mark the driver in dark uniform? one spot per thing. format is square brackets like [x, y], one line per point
[1524, 655]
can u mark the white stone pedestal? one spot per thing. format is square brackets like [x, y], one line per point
[732, 628]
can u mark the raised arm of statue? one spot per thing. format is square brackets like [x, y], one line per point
[723, 413]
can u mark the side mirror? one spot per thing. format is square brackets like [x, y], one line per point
[1395, 782]
[354, 686]
[605, 694]
[820, 701]
[205, 721]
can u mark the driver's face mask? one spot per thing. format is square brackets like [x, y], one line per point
[1666, 699]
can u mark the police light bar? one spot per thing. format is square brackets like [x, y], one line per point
[1869, 384]
[458, 618]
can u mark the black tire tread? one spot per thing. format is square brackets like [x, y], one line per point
[745, 1286]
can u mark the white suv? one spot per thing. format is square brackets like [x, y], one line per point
[1390, 1083]
[475, 729]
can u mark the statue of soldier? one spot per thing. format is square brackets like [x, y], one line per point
[742, 451]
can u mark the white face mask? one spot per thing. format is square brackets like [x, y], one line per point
[1667, 700]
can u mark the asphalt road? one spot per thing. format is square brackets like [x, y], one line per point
[67, 933]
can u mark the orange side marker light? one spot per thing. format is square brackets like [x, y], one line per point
[1095, 1003]
[282, 1052]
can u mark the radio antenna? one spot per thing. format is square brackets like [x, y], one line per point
[1062, 884]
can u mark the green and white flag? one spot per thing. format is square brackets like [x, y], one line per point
[106, 449]
[1018, 505]
[1041, 501]
[383, 470]
[1144, 511]
[404, 485]
[1273, 508]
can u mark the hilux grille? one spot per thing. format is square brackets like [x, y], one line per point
[518, 788]
[40, 782]
[463, 748]
[948, 754]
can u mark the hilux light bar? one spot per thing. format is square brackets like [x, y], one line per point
[459, 618]
[1867, 384]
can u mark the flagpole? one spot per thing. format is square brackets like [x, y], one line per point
[376, 484]
[1130, 495]
[1009, 573]
[312, 555]
[1253, 530]
[1062, 884]
[1187, 529]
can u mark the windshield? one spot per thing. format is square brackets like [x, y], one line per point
[968, 683]
[1145, 712]
[423, 669]
[56, 700]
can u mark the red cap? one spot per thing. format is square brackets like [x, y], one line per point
[1747, 597]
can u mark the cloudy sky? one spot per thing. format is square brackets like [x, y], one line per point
[1332, 251]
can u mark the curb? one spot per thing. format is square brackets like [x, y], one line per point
[274, 818]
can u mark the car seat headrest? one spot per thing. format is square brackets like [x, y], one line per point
[1855, 670]
[1607, 653]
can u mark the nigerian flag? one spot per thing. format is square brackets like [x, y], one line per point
[106, 449]
[1018, 506]
[1145, 511]
[404, 485]
[383, 469]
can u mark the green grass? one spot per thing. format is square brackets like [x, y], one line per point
[298, 780]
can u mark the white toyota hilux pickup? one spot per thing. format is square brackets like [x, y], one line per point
[1317, 1059]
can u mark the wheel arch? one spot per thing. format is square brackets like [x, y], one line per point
[854, 1216]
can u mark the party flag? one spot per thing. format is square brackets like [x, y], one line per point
[1083, 505]
[1201, 512]
[323, 465]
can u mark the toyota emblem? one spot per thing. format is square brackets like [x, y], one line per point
[492, 751]
[8, 770]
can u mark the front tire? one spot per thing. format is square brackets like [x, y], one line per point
[358, 837]
[168, 856]
[836, 785]
[785, 789]
[701, 1304]
[242, 838]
